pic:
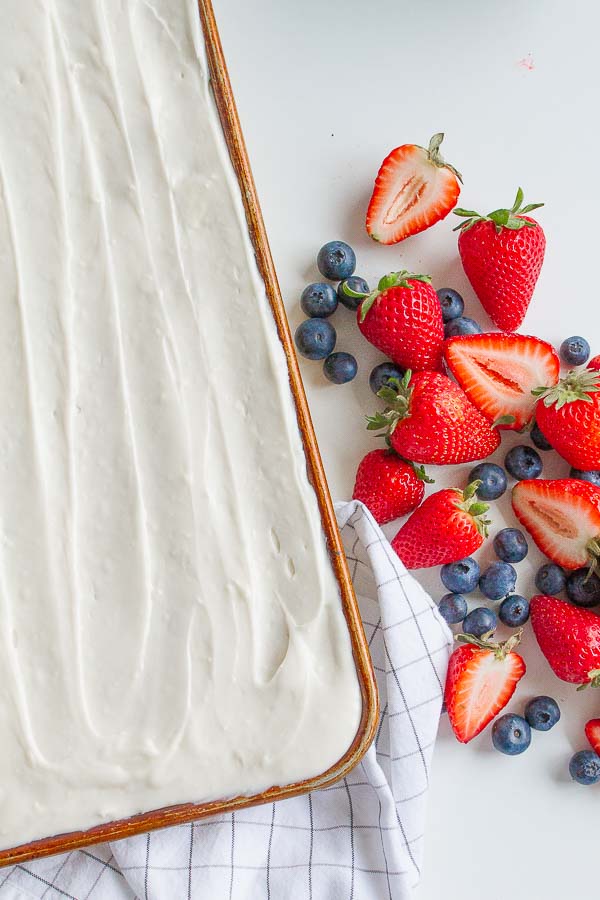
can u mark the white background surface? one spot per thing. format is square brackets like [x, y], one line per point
[324, 91]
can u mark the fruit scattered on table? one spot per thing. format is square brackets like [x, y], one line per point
[498, 580]
[502, 255]
[514, 611]
[523, 462]
[538, 438]
[460, 326]
[315, 338]
[388, 485]
[357, 285]
[550, 579]
[382, 375]
[340, 367]
[583, 587]
[592, 732]
[451, 302]
[453, 608]
[569, 638]
[493, 480]
[336, 260]
[480, 621]
[461, 577]
[415, 188]
[448, 526]
[428, 419]
[482, 677]
[575, 351]
[319, 300]
[542, 713]
[511, 734]
[593, 476]
[584, 767]
[569, 415]
[510, 545]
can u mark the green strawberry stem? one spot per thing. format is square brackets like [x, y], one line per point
[470, 504]
[500, 649]
[578, 384]
[502, 218]
[435, 157]
[392, 279]
[594, 680]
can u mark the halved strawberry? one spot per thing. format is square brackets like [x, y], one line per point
[592, 733]
[414, 189]
[498, 373]
[563, 518]
[482, 677]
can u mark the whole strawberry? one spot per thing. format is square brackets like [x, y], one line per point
[389, 486]
[482, 677]
[592, 733]
[430, 420]
[448, 526]
[569, 416]
[502, 255]
[403, 319]
[569, 638]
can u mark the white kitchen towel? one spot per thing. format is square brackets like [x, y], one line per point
[361, 839]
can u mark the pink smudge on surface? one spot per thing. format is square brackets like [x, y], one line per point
[527, 62]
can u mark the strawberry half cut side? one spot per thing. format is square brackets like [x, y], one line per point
[415, 188]
[563, 518]
[592, 733]
[498, 373]
[482, 677]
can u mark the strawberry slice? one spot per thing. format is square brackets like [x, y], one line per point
[563, 518]
[498, 373]
[592, 733]
[414, 188]
[482, 677]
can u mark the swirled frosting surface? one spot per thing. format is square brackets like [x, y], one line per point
[170, 626]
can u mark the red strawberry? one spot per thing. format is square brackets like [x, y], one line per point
[569, 416]
[448, 526]
[563, 518]
[502, 255]
[482, 677]
[592, 733]
[499, 371]
[388, 485]
[403, 319]
[430, 420]
[569, 638]
[414, 189]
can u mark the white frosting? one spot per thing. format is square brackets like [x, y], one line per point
[170, 626]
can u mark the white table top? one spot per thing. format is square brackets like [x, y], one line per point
[324, 91]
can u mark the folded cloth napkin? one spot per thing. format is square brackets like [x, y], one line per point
[361, 839]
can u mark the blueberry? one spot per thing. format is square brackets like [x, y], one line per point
[514, 611]
[381, 374]
[493, 480]
[479, 621]
[461, 577]
[584, 767]
[452, 304]
[498, 581]
[336, 260]
[355, 283]
[593, 476]
[583, 587]
[542, 713]
[462, 325]
[511, 734]
[318, 300]
[510, 545]
[340, 367]
[315, 338]
[539, 438]
[575, 351]
[523, 462]
[453, 608]
[550, 579]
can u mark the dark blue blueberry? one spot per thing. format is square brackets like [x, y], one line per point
[340, 367]
[453, 608]
[336, 260]
[511, 734]
[461, 577]
[315, 338]
[539, 438]
[355, 283]
[584, 767]
[452, 304]
[514, 611]
[498, 581]
[542, 713]
[523, 462]
[479, 621]
[381, 374]
[510, 545]
[462, 325]
[583, 587]
[493, 480]
[593, 476]
[550, 579]
[318, 300]
[575, 351]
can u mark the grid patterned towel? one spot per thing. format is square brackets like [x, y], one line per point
[361, 839]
